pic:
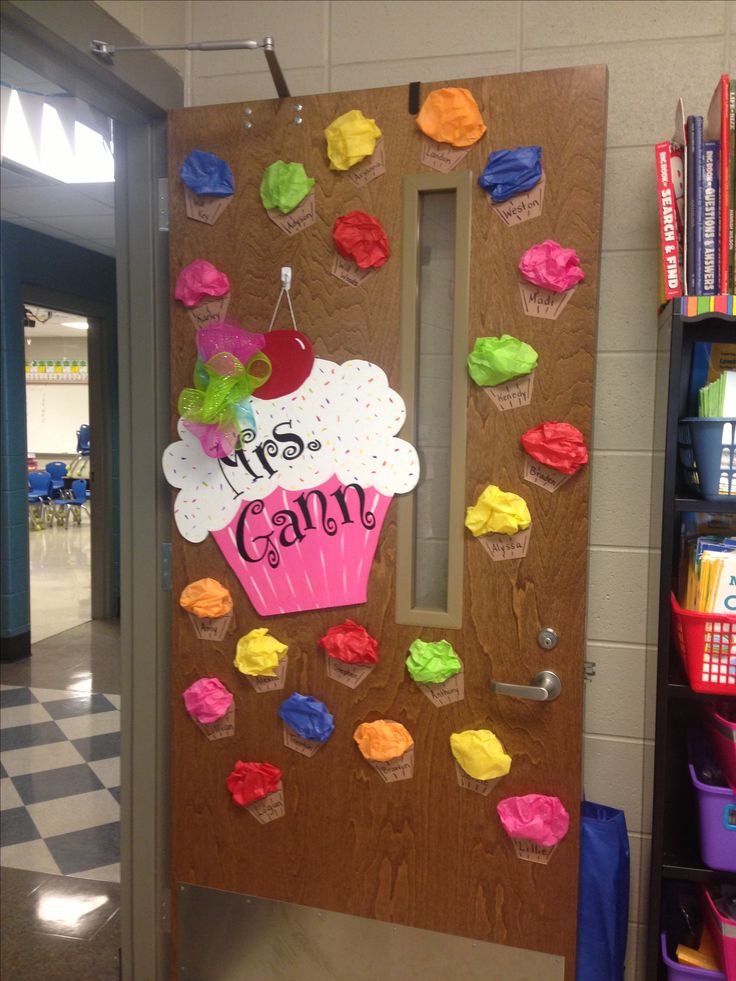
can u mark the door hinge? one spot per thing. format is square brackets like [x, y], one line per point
[166, 566]
[163, 204]
[588, 670]
[165, 910]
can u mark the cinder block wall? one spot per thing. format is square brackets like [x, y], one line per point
[655, 51]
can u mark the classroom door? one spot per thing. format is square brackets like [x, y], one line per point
[427, 851]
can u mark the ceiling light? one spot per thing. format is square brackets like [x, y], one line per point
[76, 324]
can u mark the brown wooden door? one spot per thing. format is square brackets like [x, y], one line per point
[421, 852]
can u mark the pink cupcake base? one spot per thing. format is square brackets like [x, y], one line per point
[305, 550]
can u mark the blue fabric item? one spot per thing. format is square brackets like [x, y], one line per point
[207, 175]
[307, 717]
[603, 900]
[510, 172]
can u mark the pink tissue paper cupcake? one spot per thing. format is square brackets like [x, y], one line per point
[536, 823]
[204, 291]
[211, 706]
[298, 510]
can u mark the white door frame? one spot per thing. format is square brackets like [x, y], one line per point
[52, 37]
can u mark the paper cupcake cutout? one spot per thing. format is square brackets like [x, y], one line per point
[257, 787]
[388, 747]
[451, 116]
[263, 659]
[432, 662]
[557, 451]
[501, 522]
[495, 360]
[284, 186]
[451, 123]
[480, 753]
[204, 291]
[307, 723]
[536, 823]
[550, 266]
[310, 489]
[515, 184]
[209, 186]
[549, 275]
[511, 172]
[362, 243]
[351, 653]
[211, 706]
[210, 608]
[350, 138]
[437, 670]
[292, 358]
[217, 411]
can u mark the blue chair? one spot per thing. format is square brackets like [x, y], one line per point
[80, 465]
[39, 499]
[73, 505]
[57, 471]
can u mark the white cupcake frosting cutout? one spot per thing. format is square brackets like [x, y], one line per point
[341, 421]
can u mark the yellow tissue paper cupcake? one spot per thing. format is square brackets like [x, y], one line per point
[382, 740]
[497, 512]
[259, 654]
[351, 138]
[480, 753]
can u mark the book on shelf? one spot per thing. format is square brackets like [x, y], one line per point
[697, 199]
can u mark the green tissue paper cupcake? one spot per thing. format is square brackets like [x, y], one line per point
[284, 186]
[432, 663]
[495, 360]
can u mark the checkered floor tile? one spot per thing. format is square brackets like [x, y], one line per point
[60, 782]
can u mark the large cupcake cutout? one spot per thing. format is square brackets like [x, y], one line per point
[298, 510]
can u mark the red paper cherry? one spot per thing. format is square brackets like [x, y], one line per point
[291, 356]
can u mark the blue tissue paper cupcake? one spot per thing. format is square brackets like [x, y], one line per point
[307, 717]
[511, 172]
[206, 175]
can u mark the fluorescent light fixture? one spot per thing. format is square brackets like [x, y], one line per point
[90, 161]
[76, 324]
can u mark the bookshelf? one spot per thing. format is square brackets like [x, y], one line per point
[675, 836]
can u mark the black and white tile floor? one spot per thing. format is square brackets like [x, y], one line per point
[60, 782]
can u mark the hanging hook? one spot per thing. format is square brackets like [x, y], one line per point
[285, 289]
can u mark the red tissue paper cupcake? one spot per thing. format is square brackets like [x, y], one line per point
[350, 643]
[250, 782]
[557, 444]
[360, 237]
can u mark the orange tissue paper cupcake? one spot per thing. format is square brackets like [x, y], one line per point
[210, 608]
[383, 740]
[451, 116]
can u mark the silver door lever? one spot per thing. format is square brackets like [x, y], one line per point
[545, 687]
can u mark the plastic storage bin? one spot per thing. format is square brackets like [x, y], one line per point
[723, 930]
[713, 460]
[681, 972]
[722, 737]
[716, 809]
[706, 642]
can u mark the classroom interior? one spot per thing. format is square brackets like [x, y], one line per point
[65, 859]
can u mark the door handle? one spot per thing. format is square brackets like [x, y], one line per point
[545, 687]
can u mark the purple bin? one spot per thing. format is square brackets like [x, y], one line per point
[717, 810]
[681, 972]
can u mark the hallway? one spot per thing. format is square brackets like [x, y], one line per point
[59, 783]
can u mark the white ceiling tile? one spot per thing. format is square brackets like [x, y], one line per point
[51, 202]
[83, 226]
